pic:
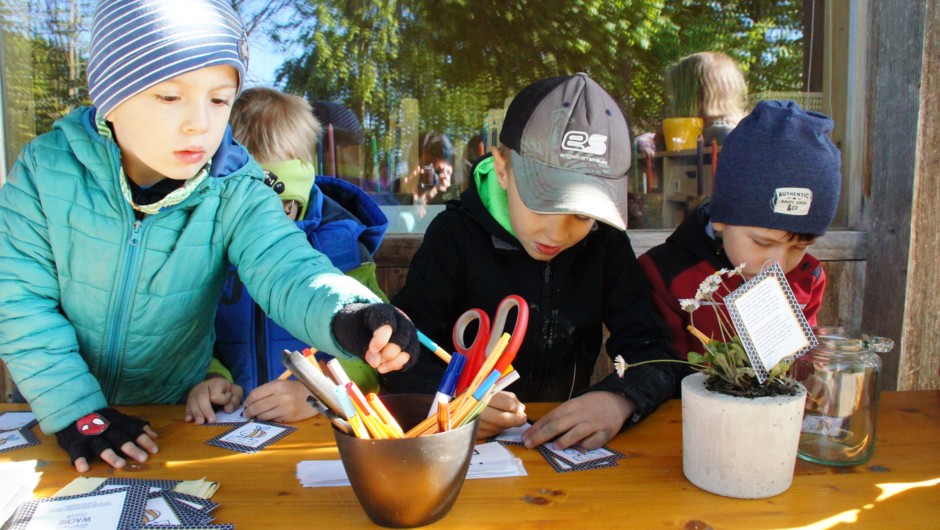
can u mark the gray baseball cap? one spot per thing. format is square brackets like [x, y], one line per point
[571, 145]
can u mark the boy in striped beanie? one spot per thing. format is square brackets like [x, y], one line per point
[118, 228]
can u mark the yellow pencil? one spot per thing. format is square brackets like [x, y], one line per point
[489, 363]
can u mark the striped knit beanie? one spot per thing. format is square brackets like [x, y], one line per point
[136, 44]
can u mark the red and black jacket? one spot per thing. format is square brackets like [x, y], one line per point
[677, 267]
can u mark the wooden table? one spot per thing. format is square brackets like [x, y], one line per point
[900, 486]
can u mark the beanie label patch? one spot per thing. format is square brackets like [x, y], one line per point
[792, 201]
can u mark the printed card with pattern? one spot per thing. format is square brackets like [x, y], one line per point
[116, 508]
[576, 458]
[251, 437]
[164, 510]
[236, 417]
[12, 420]
[17, 439]
[767, 317]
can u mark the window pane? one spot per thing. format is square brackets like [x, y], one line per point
[383, 74]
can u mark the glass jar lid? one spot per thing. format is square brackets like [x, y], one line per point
[840, 338]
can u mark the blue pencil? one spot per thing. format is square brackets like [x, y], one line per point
[431, 345]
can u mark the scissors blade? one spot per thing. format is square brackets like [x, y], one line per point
[476, 351]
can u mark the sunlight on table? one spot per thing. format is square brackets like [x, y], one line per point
[851, 516]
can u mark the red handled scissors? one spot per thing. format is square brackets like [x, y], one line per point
[486, 337]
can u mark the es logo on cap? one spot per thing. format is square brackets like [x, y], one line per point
[593, 144]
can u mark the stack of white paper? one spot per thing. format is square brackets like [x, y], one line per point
[489, 460]
[321, 473]
[17, 482]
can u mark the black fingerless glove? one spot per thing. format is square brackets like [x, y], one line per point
[354, 324]
[103, 429]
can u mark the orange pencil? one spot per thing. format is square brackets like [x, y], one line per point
[384, 415]
[443, 416]
[369, 418]
[429, 424]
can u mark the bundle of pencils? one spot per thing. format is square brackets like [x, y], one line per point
[494, 375]
[365, 416]
[340, 399]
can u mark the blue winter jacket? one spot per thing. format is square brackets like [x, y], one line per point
[98, 308]
[342, 222]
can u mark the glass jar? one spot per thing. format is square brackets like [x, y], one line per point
[842, 376]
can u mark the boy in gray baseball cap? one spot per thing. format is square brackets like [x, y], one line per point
[776, 191]
[544, 218]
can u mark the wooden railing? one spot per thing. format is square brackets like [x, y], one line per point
[841, 251]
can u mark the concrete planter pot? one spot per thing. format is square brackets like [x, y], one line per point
[739, 447]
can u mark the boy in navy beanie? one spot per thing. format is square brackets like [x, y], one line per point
[118, 228]
[776, 191]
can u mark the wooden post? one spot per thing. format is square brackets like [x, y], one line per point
[919, 359]
[900, 289]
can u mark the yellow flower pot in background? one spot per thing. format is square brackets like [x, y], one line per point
[681, 133]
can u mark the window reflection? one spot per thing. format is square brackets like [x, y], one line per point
[382, 74]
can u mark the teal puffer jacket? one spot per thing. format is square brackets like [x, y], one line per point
[98, 308]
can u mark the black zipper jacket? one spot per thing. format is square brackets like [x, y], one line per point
[467, 260]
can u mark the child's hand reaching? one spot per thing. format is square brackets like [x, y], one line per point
[589, 420]
[214, 390]
[379, 333]
[279, 401]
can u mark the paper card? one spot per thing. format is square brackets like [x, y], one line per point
[18, 439]
[152, 485]
[201, 488]
[561, 466]
[564, 465]
[236, 417]
[163, 510]
[578, 456]
[196, 503]
[159, 513]
[251, 437]
[492, 460]
[767, 317]
[119, 508]
[322, 473]
[225, 526]
[18, 481]
[512, 436]
[17, 419]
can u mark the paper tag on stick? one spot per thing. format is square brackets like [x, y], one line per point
[769, 321]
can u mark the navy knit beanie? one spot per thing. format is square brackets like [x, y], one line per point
[136, 44]
[778, 169]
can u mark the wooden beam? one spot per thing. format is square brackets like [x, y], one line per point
[895, 70]
[919, 359]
